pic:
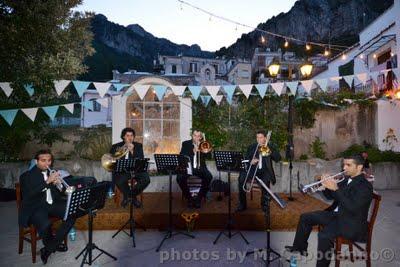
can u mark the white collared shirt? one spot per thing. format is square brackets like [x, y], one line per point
[337, 208]
[49, 198]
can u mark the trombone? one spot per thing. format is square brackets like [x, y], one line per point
[68, 188]
[317, 186]
[203, 146]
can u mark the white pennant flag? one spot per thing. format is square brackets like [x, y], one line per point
[292, 87]
[307, 84]
[102, 88]
[69, 107]
[103, 102]
[374, 75]
[362, 77]
[397, 74]
[213, 91]
[30, 112]
[6, 88]
[322, 83]
[246, 89]
[60, 86]
[278, 87]
[178, 90]
[141, 90]
[348, 79]
[218, 99]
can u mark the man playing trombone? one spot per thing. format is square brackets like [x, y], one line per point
[259, 156]
[135, 150]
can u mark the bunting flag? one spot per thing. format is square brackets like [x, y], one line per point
[60, 86]
[348, 79]
[103, 102]
[292, 87]
[246, 89]
[362, 77]
[160, 91]
[213, 90]
[30, 113]
[307, 85]
[102, 88]
[374, 76]
[69, 107]
[120, 86]
[51, 111]
[205, 99]
[261, 88]
[395, 71]
[322, 83]
[9, 115]
[29, 89]
[141, 90]
[178, 90]
[278, 87]
[218, 99]
[80, 87]
[195, 90]
[229, 90]
[88, 104]
[6, 88]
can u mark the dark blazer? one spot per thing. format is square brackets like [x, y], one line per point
[267, 171]
[187, 150]
[353, 201]
[33, 191]
[137, 150]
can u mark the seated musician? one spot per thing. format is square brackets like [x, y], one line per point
[190, 148]
[349, 218]
[42, 197]
[262, 164]
[121, 179]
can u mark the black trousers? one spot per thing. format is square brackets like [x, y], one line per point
[205, 176]
[242, 193]
[326, 237]
[142, 181]
[40, 219]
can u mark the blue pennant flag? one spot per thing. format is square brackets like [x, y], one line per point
[51, 111]
[9, 115]
[88, 104]
[261, 88]
[29, 89]
[195, 90]
[205, 99]
[160, 91]
[80, 86]
[229, 90]
[120, 86]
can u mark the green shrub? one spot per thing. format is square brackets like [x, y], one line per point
[374, 154]
[317, 148]
[94, 142]
[303, 157]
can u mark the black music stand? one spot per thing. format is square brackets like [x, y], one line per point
[267, 214]
[87, 201]
[171, 164]
[229, 161]
[132, 166]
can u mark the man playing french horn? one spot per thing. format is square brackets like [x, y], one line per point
[260, 156]
[135, 150]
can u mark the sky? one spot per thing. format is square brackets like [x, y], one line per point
[182, 24]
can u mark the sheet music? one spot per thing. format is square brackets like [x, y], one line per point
[69, 197]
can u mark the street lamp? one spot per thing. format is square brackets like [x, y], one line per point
[273, 68]
[306, 69]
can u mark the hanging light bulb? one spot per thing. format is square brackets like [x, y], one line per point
[362, 56]
[209, 19]
[344, 56]
[236, 28]
[262, 39]
[374, 55]
[326, 52]
[308, 47]
[391, 54]
[286, 45]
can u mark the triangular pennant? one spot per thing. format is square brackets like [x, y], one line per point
[120, 86]
[80, 87]
[218, 99]
[69, 107]
[141, 90]
[213, 90]
[374, 75]
[51, 111]
[261, 88]
[160, 91]
[6, 88]
[29, 89]
[195, 90]
[292, 87]
[102, 88]
[246, 89]
[30, 113]
[88, 104]
[60, 86]
[229, 90]
[397, 74]
[307, 85]
[322, 83]
[348, 79]
[9, 115]
[205, 99]
[278, 87]
[103, 101]
[362, 77]
[178, 90]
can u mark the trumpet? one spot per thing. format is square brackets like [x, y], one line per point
[68, 188]
[317, 186]
[108, 160]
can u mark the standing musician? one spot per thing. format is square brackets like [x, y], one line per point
[348, 219]
[121, 178]
[42, 197]
[262, 165]
[190, 148]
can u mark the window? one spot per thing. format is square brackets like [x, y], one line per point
[173, 68]
[193, 67]
[216, 68]
[96, 105]
[208, 74]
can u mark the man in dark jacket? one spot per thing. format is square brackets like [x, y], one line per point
[348, 219]
[199, 169]
[121, 178]
[41, 198]
[260, 164]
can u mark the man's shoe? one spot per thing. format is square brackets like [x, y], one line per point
[124, 203]
[136, 203]
[294, 250]
[197, 203]
[241, 207]
[62, 248]
[44, 255]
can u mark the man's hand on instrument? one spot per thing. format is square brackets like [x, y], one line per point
[330, 184]
[131, 146]
[53, 178]
[254, 161]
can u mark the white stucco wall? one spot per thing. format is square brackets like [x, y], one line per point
[388, 116]
[92, 118]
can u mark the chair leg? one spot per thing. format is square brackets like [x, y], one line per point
[338, 252]
[351, 252]
[33, 244]
[368, 251]
[251, 194]
[21, 240]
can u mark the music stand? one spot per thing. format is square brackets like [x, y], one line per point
[171, 164]
[267, 214]
[229, 161]
[132, 166]
[87, 201]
